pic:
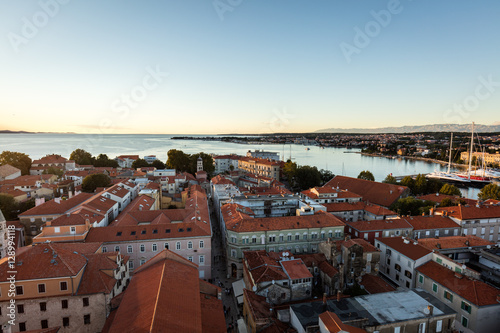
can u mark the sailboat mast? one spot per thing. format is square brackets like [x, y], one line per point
[449, 160]
[471, 150]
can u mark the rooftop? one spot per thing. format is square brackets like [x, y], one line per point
[453, 242]
[474, 291]
[406, 247]
[430, 222]
[375, 225]
[57, 207]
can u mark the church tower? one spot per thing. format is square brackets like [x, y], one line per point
[199, 165]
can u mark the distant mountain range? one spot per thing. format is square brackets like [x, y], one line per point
[416, 129]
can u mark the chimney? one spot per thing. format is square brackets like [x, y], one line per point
[431, 309]
[431, 211]
[339, 293]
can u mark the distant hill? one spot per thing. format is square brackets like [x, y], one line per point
[14, 132]
[414, 129]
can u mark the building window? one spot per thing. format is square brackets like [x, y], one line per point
[420, 278]
[272, 238]
[408, 274]
[254, 239]
[63, 285]
[297, 237]
[397, 267]
[448, 296]
[43, 306]
[129, 249]
[190, 245]
[85, 301]
[466, 307]
[165, 246]
[190, 258]
[19, 290]
[86, 319]
[64, 304]
[143, 248]
[434, 287]
[289, 237]
[65, 321]
[202, 244]
[304, 237]
[202, 260]
[20, 308]
[117, 248]
[130, 264]
[233, 253]
[22, 327]
[44, 323]
[155, 247]
[142, 262]
[104, 249]
[178, 245]
[465, 321]
[41, 288]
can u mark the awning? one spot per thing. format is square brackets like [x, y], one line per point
[238, 290]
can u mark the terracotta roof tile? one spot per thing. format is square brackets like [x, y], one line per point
[333, 324]
[453, 242]
[53, 208]
[471, 212]
[374, 284]
[379, 193]
[476, 292]
[411, 249]
[374, 225]
[430, 222]
[7, 170]
[296, 269]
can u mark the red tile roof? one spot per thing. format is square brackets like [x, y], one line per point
[328, 269]
[296, 269]
[219, 179]
[375, 225]
[242, 223]
[165, 295]
[412, 249]
[358, 205]
[262, 267]
[76, 219]
[430, 222]
[379, 193]
[334, 325]
[476, 292]
[374, 284]
[117, 190]
[471, 212]
[98, 276]
[53, 208]
[438, 197]
[50, 159]
[7, 170]
[367, 247]
[453, 242]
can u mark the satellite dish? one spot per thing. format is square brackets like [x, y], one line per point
[426, 311]
[273, 281]
[464, 267]
[254, 288]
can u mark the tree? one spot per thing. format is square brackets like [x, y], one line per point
[103, 161]
[8, 206]
[289, 170]
[326, 175]
[140, 163]
[411, 206]
[178, 160]
[158, 164]
[91, 182]
[450, 190]
[409, 182]
[208, 163]
[390, 179]
[18, 160]
[53, 171]
[366, 175]
[446, 202]
[81, 157]
[490, 191]
[420, 184]
[307, 177]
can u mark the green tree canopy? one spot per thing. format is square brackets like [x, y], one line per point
[103, 161]
[158, 164]
[16, 159]
[178, 160]
[326, 175]
[409, 182]
[490, 191]
[366, 175]
[390, 179]
[208, 163]
[140, 163]
[411, 206]
[8, 206]
[91, 182]
[450, 189]
[81, 157]
[53, 171]
[446, 202]
[420, 186]
[289, 170]
[307, 177]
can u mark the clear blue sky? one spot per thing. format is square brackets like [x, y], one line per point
[246, 66]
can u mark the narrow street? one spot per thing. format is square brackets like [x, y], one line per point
[220, 275]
